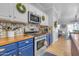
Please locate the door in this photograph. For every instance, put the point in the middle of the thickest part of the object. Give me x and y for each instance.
(40, 44)
(11, 53)
(26, 51)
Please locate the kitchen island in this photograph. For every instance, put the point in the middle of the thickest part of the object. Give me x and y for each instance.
(62, 47)
(75, 38)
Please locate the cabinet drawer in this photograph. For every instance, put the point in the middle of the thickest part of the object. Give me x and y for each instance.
(7, 48)
(11, 53)
(25, 42)
(26, 50)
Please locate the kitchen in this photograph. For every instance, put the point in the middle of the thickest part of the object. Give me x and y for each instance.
(24, 30)
(39, 29)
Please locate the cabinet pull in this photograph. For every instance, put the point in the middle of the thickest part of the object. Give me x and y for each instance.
(19, 52)
(2, 50)
(27, 42)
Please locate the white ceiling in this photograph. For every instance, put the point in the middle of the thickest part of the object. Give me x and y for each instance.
(67, 10)
(43, 6)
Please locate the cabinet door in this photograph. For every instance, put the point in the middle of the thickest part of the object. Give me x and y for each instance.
(25, 42)
(26, 51)
(11, 53)
(48, 39)
(5, 10)
(51, 39)
(18, 16)
(44, 22)
(7, 48)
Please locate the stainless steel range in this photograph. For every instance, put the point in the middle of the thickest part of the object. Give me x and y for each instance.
(40, 45)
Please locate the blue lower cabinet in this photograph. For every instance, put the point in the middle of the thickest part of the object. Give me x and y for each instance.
(25, 42)
(7, 48)
(26, 50)
(49, 38)
(22, 48)
(11, 53)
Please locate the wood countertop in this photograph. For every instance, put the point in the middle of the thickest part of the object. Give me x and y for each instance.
(75, 39)
(75, 32)
(5, 41)
(76, 43)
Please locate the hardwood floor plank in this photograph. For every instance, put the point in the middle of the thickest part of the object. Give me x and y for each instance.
(63, 47)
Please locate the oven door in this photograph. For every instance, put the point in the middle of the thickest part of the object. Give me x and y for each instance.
(40, 46)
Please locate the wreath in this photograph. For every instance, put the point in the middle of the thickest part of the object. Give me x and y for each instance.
(55, 24)
(21, 8)
(43, 18)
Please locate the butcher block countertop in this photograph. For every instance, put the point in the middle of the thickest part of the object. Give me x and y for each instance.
(5, 41)
(76, 43)
(75, 39)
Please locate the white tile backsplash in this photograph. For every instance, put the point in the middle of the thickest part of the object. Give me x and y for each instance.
(31, 26)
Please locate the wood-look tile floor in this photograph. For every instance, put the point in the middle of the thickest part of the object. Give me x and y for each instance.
(62, 47)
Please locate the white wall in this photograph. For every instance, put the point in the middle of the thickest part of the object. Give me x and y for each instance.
(53, 16)
(55, 30)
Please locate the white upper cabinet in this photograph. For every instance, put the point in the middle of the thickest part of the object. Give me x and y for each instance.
(18, 16)
(5, 10)
(44, 22)
(8, 11)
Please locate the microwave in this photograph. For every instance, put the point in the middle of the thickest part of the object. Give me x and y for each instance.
(33, 18)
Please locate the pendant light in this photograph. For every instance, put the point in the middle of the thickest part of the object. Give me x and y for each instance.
(75, 22)
(75, 18)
